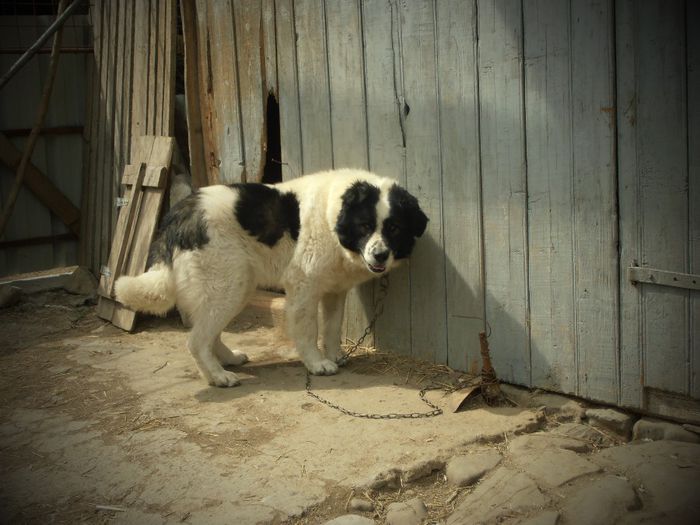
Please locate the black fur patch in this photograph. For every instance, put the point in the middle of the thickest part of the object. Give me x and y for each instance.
(183, 227)
(266, 213)
(405, 222)
(357, 219)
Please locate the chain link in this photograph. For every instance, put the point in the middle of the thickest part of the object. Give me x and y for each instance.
(378, 310)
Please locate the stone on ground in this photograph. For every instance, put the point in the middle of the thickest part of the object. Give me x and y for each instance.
(554, 467)
(502, 493)
(9, 295)
(548, 517)
(350, 519)
(361, 505)
(465, 470)
(558, 406)
(667, 472)
(547, 441)
(602, 500)
(611, 419)
(655, 430)
(584, 433)
(411, 512)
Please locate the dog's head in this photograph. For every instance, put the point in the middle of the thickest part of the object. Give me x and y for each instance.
(379, 224)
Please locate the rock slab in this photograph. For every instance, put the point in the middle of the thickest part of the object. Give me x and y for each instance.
(552, 466)
(350, 519)
(655, 430)
(502, 493)
(610, 419)
(411, 512)
(465, 470)
(601, 501)
(548, 517)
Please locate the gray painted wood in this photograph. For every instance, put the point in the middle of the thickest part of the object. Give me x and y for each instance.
(504, 187)
(288, 90)
(314, 94)
(631, 392)
(693, 56)
(382, 58)
(661, 149)
(423, 169)
(595, 216)
(571, 197)
(461, 181)
(348, 124)
(548, 88)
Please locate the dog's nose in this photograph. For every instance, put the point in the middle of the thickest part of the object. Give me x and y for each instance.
(381, 257)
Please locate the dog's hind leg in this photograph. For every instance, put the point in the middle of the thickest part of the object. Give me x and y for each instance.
(226, 356)
(209, 317)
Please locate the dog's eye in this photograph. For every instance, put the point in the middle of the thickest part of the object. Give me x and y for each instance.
(365, 228)
(391, 228)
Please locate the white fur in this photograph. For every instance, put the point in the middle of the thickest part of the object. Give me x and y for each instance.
(213, 284)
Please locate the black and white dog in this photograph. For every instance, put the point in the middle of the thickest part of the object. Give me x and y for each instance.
(316, 236)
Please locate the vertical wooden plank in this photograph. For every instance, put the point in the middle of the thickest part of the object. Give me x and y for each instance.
(348, 123)
(548, 86)
(693, 47)
(595, 213)
(662, 156)
(127, 92)
(269, 47)
(225, 130)
(504, 187)
(119, 99)
(87, 180)
(110, 182)
(249, 49)
(153, 90)
(288, 90)
(423, 165)
(139, 103)
(169, 31)
(384, 91)
(194, 95)
(314, 99)
(631, 344)
(102, 184)
(459, 129)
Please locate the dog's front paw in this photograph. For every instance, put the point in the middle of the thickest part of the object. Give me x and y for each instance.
(336, 355)
(324, 367)
(224, 379)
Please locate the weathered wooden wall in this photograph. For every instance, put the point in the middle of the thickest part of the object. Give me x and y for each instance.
(552, 143)
(58, 154)
(132, 82)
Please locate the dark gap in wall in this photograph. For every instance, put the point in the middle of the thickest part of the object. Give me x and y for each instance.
(273, 154)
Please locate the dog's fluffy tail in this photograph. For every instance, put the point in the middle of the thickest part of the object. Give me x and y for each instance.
(152, 292)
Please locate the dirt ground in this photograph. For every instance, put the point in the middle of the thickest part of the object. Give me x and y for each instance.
(101, 426)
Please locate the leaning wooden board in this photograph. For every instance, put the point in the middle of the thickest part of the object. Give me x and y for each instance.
(145, 181)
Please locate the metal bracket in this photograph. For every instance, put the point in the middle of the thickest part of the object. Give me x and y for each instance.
(687, 281)
(121, 201)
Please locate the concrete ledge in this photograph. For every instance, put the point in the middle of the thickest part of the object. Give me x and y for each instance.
(73, 279)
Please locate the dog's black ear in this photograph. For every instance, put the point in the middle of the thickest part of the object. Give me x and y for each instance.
(401, 200)
(419, 221)
(360, 193)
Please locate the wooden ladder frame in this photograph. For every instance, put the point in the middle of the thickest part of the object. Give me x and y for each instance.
(145, 181)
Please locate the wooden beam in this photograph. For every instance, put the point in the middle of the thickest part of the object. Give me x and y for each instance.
(41, 186)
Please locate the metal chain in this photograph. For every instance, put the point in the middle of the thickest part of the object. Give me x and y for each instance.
(378, 310)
